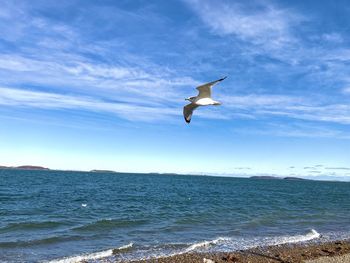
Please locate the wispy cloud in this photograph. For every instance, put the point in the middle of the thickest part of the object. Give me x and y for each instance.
(51, 57)
(83, 74)
(333, 37)
(280, 41)
(57, 55)
(264, 24)
(294, 129)
(289, 106)
(346, 90)
(54, 101)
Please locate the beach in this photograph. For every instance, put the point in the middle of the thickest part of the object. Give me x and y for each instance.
(330, 252)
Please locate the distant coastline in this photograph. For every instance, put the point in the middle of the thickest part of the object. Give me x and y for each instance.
(233, 175)
(25, 167)
(102, 171)
(266, 177)
(38, 168)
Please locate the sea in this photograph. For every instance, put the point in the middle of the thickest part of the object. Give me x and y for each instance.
(64, 216)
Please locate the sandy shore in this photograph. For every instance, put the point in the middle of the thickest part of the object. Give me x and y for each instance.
(332, 252)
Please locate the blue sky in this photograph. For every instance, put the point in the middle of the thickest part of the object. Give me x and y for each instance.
(101, 85)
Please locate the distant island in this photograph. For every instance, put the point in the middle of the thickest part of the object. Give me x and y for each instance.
(24, 167)
(296, 178)
(264, 177)
(277, 178)
(102, 171)
(36, 167)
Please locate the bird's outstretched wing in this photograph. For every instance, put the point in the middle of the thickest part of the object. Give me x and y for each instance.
(188, 111)
(205, 89)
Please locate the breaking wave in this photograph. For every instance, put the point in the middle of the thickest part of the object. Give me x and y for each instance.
(87, 257)
(129, 252)
(93, 256)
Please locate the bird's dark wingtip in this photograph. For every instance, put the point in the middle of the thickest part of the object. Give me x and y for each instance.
(223, 78)
(188, 121)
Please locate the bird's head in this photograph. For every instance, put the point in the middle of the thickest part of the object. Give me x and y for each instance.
(191, 99)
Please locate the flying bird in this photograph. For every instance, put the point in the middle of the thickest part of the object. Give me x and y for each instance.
(202, 99)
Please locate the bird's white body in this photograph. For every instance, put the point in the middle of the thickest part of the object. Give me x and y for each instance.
(202, 99)
(206, 102)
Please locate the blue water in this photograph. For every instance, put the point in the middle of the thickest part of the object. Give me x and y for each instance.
(49, 215)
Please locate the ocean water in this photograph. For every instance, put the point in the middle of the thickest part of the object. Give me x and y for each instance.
(52, 216)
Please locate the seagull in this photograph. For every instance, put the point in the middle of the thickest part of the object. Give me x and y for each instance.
(202, 99)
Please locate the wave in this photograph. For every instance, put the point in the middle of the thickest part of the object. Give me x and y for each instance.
(229, 243)
(30, 225)
(34, 242)
(106, 224)
(128, 246)
(313, 234)
(206, 244)
(221, 244)
(93, 256)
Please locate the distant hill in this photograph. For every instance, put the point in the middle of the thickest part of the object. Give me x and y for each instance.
(31, 167)
(278, 178)
(102, 171)
(264, 177)
(295, 178)
(25, 167)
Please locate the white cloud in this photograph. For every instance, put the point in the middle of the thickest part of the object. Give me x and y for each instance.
(268, 25)
(298, 108)
(346, 90)
(58, 56)
(263, 28)
(292, 129)
(244, 107)
(45, 100)
(78, 74)
(333, 37)
(254, 100)
(328, 113)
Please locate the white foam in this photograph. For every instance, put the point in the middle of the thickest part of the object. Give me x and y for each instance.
(218, 244)
(130, 245)
(229, 244)
(206, 244)
(313, 234)
(84, 205)
(92, 256)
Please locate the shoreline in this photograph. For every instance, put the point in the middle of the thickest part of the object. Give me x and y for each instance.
(338, 251)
